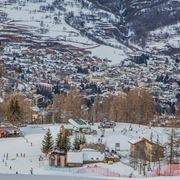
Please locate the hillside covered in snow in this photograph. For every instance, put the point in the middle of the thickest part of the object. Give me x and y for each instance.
(119, 27)
(142, 17)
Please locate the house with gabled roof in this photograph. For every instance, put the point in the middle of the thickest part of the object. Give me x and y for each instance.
(146, 149)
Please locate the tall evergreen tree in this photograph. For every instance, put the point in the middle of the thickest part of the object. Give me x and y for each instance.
(59, 142)
(62, 142)
(47, 143)
(78, 141)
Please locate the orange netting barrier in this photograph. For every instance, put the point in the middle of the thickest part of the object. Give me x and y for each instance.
(98, 170)
(168, 170)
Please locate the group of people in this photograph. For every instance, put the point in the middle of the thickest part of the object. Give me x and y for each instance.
(20, 155)
(27, 141)
(6, 158)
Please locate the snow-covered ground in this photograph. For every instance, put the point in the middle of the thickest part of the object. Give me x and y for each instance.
(26, 177)
(163, 38)
(31, 16)
(35, 134)
(115, 55)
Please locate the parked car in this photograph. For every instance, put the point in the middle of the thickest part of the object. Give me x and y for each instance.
(107, 124)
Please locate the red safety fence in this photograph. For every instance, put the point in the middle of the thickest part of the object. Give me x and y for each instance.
(98, 170)
(168, 170)
(165, 170)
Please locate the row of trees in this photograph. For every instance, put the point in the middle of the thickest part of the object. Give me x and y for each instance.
(136, 106)
(62, 142)
(15, 109)
(70, 105)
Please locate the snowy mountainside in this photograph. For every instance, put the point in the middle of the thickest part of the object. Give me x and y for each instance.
(111, 29)
(142, 17)
(48, 20)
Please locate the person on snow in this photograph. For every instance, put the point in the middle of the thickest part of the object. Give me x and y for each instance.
(31, 171)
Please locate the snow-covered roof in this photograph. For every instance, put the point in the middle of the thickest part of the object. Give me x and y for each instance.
(142, 139)
(134, 141)
(78, 125)
(35, 109)
(1, 100)
(75, 157)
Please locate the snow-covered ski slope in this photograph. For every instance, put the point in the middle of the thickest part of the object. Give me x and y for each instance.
(34, 134)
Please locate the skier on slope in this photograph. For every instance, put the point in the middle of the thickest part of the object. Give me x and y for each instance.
(31, 171)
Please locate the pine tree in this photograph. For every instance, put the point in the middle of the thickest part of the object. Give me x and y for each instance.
(47, 143)
(76, 143)
(66, 143)
(62, 142)
(82, 139)
(79, 140)
(59, 142)
(14, 111)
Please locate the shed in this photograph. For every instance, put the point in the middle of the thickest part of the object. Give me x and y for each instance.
(92, 155)
(74, 159)
(57, 158)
